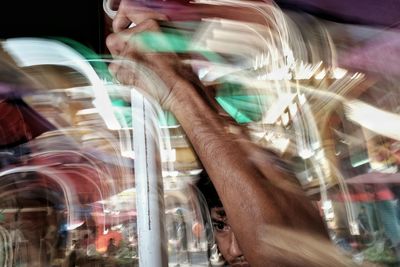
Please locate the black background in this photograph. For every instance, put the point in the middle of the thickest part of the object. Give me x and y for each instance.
(80, 20)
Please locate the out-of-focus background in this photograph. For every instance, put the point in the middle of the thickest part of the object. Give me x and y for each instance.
(319, 87)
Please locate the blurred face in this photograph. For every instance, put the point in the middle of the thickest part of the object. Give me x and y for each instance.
(225, 238)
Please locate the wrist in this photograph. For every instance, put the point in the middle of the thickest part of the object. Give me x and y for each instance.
(181, 97)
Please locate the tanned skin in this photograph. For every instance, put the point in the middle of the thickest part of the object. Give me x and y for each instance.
(253, 202)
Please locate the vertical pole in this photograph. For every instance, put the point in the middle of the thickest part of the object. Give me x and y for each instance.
(149, 185)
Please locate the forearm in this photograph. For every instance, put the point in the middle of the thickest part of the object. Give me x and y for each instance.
(251, 202)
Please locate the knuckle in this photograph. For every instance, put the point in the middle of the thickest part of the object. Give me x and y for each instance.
(115, 22)
(111, 41)
(151, 24)
(163, 17)
(113, 68)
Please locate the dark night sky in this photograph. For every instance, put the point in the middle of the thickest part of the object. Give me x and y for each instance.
(80, 20)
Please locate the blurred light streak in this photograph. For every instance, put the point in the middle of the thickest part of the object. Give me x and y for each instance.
(377, 120)
(6, 248)
(320, 75)
(339, 73)
(70, 198)
(50, 156)
(304, 71)
(36, 51)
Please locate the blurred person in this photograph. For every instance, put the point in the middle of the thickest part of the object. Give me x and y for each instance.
(50, 240)
(74, 254)
(224, 237)
(197, 229)
(182, 238)
(363, 220)
(112, 248)
(230, 249)
(264, 217)
(17, 238)
(88, 243)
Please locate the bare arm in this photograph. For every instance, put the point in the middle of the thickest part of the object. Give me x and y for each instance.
(252, 202)
(247, 185)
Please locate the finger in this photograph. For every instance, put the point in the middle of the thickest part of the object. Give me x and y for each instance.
(113, 68)
(116, 42)
(129, 13)
(126, 41)
(121, 22)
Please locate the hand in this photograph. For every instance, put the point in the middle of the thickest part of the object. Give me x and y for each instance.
(138, 64)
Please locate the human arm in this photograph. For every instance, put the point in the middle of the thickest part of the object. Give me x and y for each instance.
(252, 199)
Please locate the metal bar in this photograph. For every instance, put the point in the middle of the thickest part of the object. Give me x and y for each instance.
(149, 186)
